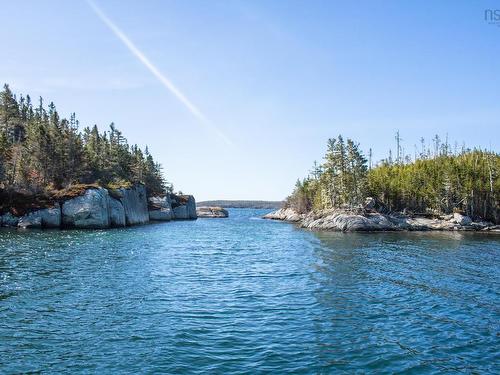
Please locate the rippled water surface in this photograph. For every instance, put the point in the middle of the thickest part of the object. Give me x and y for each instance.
(244, 295)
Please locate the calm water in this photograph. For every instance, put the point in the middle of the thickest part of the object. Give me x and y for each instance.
(244, 295)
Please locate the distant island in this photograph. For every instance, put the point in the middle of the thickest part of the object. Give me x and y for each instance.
(439, 187)
(243, 204)
(54, 175)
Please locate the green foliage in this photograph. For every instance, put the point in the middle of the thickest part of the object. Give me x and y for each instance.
(467, 182)
(437, 181)
(40, 150)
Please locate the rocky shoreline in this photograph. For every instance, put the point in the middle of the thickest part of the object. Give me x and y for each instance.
(213, 212)
(99, 208)
(365, 221)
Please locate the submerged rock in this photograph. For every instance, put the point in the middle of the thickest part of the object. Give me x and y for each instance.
(212, 212)
(89, 210)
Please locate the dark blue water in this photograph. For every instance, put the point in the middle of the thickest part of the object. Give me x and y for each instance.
(243, 295)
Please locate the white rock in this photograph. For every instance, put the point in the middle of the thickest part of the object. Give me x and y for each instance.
(461, 219)
(286, 214)
(89, 210)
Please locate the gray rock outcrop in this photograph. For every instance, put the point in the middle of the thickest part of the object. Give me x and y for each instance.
(359, 220)
(135, 204)
(160, 208)
(9, 220)
(89, 210)
(116, 213)
(31, 220)
(285, 214)
(100, 208)
(184, 207)
(211, 212)
(51, 217)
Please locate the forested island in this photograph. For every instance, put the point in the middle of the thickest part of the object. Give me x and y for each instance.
(52, 174)
(439, 187)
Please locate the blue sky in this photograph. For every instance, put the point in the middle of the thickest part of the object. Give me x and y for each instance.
(276, 78)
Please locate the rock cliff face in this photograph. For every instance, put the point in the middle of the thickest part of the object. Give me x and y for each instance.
(184, 207)
(160, 208)
(116, 213)
(89, 210)
(212, 212)
(135, 204)
(352, 221)
(98, 208)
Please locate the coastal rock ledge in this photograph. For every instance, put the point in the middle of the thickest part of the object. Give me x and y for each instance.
(98, 208)
(212, 212)
(363, 220)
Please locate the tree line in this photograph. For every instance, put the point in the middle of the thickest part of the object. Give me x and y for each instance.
(438, 179)
(40, 151)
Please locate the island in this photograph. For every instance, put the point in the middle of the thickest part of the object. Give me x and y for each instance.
(439, 188)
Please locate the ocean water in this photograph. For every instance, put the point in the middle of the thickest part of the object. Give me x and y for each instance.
(246, 295)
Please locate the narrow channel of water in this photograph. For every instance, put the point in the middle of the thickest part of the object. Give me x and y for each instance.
(245, 295)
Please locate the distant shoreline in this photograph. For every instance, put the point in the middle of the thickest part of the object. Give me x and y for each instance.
(243, 204)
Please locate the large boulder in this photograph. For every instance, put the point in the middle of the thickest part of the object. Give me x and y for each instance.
(212, 212)
(135, 204)
(160, 208)
(89, 210)
(9, 220)
(116, 213)
(30, 220)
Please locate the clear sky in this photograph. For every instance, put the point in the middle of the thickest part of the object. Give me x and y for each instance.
(237, 98)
